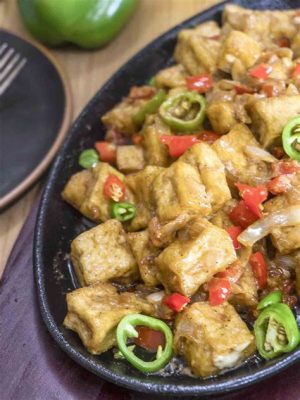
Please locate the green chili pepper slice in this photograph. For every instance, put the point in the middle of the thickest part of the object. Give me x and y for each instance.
(291, 138)
(123, 211)
(126, 329)
(184, 112)
(272, 298)
(88, 158)
(149, 108)
(276, 331)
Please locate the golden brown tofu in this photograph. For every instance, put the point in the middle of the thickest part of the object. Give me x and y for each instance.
(244, 291)
(221, 218)
(156, 153)
(130, 159)
(140, 184)
(95, 311)
(179, 190)
(221, 115)
(239, 165)
(197, 50)
(295, 46)
(212, 173)
(102, 254)
(285, 239)
(254, 23)
(269, 116)
(189, 261)
(171, 77)
(120, 117)
(84, 191)
(238, 45)
(212, 338)
(144, 253)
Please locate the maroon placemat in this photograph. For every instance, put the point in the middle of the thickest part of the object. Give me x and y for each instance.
(34, 368)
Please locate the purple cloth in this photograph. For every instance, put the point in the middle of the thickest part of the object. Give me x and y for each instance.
(34, 368)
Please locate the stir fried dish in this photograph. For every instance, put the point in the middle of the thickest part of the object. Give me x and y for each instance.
(195, 196)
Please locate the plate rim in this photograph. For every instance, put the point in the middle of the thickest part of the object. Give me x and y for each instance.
(41, 167)
(203, 387)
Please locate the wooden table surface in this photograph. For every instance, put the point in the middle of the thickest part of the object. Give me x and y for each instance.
(87, 71)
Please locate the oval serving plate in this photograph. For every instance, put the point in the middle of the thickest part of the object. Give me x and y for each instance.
(58, 224)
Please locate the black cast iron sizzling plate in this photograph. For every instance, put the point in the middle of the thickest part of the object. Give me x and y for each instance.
(58, 224)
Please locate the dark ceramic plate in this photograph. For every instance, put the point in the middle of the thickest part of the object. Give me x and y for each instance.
(34, 118)
(58, 224)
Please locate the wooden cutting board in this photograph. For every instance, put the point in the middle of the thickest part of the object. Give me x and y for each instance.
(34, 368)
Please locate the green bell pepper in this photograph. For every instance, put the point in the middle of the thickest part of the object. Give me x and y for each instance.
(184, 112)
(126, 329)
(276, 331)
(291, 138)
(88, 158)
(86, 23)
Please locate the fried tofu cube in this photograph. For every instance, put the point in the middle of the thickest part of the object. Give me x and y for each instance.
(156, 153)
(95, 311)
(285, 239)
(270, 115)
(295, 46)
(211, 171)
(102, 254)
(239, 165)
(130, 158)
(171, 77)
(189, 261)
(140, 184)
(221, 115)
(84, 191)
(238, 45)
(179, 190)
(144, 253)
(244, 291)
(212, 338)
(196, 49)
(119, 118)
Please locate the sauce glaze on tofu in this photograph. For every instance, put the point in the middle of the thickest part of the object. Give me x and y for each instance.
(195, 197)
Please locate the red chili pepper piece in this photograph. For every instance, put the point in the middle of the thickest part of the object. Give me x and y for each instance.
(114, 188)
(219, 291)
(242, 89)
(200, 83)
(242, 215)
(296, 71)
(149, 338)
(208, 136)
(280, 184)
(259, 268)
(270, 90)
(234, 232)
(261, 71)
(253, 197)
(107, 151)
(176, 301)
(178, 144)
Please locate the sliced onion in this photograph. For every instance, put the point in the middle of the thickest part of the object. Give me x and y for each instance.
(156, 297)
(279, 219)
(286, 261)
(260, 154)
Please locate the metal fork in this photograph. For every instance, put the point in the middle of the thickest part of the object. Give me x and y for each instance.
(11, 64)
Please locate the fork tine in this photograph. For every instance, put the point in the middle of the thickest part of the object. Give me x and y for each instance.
(9, 67)
(3, 47)
(12, 75)
(5, 57)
